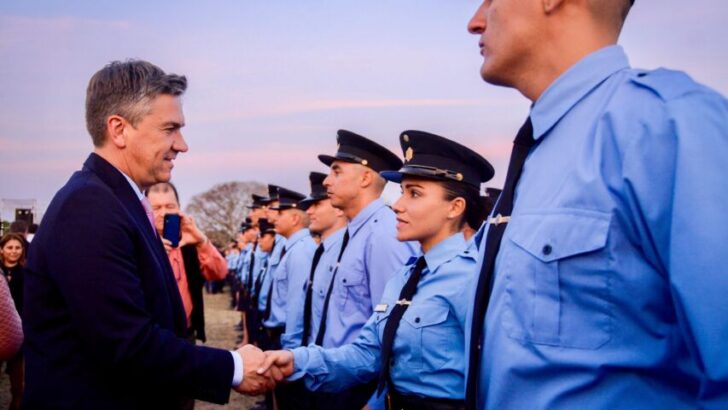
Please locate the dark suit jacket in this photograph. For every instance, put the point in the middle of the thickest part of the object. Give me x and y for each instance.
(103, 316)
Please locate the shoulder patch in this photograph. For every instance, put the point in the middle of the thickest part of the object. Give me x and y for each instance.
(667, 84)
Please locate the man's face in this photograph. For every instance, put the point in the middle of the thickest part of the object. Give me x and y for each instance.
(272, 214)
(284, 223)
(322, 216)
(266, 242)
(343, 183)
(162, 203)
(509, 34)
(251, 234)
(153, 144)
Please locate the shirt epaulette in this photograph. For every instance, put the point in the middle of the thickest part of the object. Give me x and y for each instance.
(667, 84)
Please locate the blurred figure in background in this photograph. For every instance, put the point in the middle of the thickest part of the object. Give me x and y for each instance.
(193, 262)
(12, 262)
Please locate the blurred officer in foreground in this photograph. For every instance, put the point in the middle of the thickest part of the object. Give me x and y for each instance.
(603, 279)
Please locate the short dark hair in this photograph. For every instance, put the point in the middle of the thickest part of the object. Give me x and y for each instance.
(126, 89)
(163, 187)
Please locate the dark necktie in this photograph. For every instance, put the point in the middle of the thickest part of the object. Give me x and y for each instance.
(325, 312)
(521, 147)
(266, 315)
(309, 296)
(249, 283)
(395, 316)
(259, 283)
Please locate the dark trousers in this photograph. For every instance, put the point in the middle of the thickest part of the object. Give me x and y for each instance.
(294, 396)
(396, 401)
(350, 399)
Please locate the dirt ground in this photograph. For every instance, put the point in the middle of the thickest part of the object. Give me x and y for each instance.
(219, 322)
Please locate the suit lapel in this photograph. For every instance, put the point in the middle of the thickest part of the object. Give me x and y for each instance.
(113, 178)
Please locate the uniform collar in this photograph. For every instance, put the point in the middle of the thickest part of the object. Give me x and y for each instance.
(363, 216)
(445, 251)
(334, 238)
(297, 237)
(573, 85)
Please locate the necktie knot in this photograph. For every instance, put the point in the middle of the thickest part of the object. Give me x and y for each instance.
(525, 134)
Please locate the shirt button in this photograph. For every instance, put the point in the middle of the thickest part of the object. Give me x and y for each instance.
(417, 320)
(547, 250)
(344, 280)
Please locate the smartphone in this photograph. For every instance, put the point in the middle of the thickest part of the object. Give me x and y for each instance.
(171, 230)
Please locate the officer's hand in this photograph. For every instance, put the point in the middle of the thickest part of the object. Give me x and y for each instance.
(254, 382)
(280, 359)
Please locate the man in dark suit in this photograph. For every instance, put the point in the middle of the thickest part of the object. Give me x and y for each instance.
(104, 323)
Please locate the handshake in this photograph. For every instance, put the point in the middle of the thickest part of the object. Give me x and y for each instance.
(263, 370)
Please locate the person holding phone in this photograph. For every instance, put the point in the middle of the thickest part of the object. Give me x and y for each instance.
(193, 257)
(413, 343)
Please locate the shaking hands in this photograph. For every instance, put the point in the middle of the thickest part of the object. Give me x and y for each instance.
(263, 370)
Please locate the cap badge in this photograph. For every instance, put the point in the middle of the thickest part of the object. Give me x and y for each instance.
(364, 162)
(409, 154)
(405, 137)
(459, 176)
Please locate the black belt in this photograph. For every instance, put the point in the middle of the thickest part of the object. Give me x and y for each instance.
(396, 401)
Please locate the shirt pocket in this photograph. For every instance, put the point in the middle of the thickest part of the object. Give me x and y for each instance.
(427, 335)
(556, 268)
(353, 290)
(281, 282)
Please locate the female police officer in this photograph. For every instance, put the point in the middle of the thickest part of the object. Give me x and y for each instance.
(414, 341)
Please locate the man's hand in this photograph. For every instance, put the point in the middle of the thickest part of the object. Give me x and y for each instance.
(254, 382)
(282, 360)
(191, 234)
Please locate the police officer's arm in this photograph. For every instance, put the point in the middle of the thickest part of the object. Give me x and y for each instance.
(678, 189)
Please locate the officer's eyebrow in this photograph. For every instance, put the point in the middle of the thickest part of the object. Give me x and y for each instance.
(410, 185)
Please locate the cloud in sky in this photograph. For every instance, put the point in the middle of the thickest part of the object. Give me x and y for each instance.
(271, 82)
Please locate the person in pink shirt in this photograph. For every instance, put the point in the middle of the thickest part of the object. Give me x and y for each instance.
(11, 330)
(193, 261)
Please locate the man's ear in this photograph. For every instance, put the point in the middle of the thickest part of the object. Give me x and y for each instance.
(116, 127)
(366, 178)
(551, 5)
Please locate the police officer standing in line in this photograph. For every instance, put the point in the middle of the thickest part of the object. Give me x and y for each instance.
(258, 210)
(266, 244)
(250, 236)
(372, 254)
(330, 224)
(287, 296)
(413, 344)
(604, 274)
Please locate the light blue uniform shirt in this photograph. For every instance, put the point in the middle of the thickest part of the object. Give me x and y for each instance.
(273, 260)
(611, 279)
(285, 272)
(428, 350)
(291, 277)
(322, 279)
(371, 258)
(242, 262)
(258, 262)
(232, 260)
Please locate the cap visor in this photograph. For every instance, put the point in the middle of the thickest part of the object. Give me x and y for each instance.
(327, 159)
(393, 176)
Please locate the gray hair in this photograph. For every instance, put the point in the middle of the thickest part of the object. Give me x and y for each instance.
(126, 89)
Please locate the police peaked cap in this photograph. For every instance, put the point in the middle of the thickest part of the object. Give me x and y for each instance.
(287, 199)
(434, 157)
(360, 150)
(318, 190)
